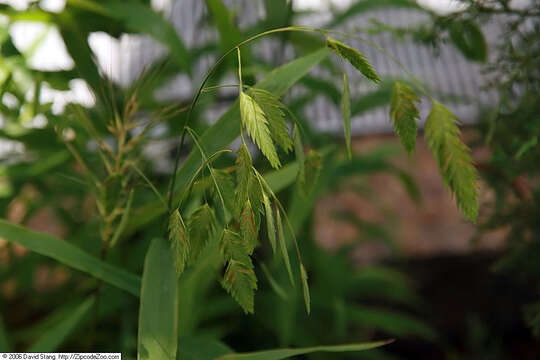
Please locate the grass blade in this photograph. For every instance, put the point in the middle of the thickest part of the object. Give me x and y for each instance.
(287, 353)
(346, 114)
(70, 255)
(283, 246)
(54, 337)
(158, 312)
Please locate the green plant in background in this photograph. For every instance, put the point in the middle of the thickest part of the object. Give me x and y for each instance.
(215, 203)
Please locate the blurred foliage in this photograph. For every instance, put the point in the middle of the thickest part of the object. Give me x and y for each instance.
(79, 171)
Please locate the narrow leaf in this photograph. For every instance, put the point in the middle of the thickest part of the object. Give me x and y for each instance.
(270, 225)
(158, 311)
(179, 240)
(346, 114)
(54, 337)
(305, 288)
(283, 246)
(453, 157)
(313, 168)
(404, 114)
(142, 19)
(359, 7)
(256, 124)
(229, 33)
(279, 354)
(355, 57)
(469, 39)
(69, 255)
(300, 157)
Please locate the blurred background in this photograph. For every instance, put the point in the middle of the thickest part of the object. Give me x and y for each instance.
(388, 253)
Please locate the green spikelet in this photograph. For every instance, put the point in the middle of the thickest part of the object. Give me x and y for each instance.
(201, 225)
(404, 114)
(244, 174)
(274, 111)
(270, 224)
(179, 239)
(305, 288)
(283, 246)
(355, 57)
(255, 121)
(455, 164)
(248, 227)
(239, 279)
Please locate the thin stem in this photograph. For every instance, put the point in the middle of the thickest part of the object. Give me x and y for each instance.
(240, 87)
(212, 88)
(141, 174)
(205, 158)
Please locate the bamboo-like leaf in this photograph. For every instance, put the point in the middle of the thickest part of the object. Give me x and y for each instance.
(355, 57)
(158, 311)
(228, 31)
(313, 166)
(201, 348)
(179, 240)
(142, 19)
(256, 124)
(453, 157)
(469, 39)
(248, 227)
(391, 322)
(346, 113)
(70, 255)
(270, 224)
(360, 7)
(404, 114)
(278, 354)
(54, 337)
(274, 112)
(283, 246)
(202, 226)
(239, 278)
(300, 157)
(305, 288)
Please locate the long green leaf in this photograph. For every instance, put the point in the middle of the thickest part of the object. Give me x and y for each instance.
(228, 31)
(469, 39)
(227, 128)
(361, 6)
(70, 255)
(287, 353)
(140, 18)
(158, 312)
(346, 113)
(77, 46)
(54, 337)
(199, 348)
